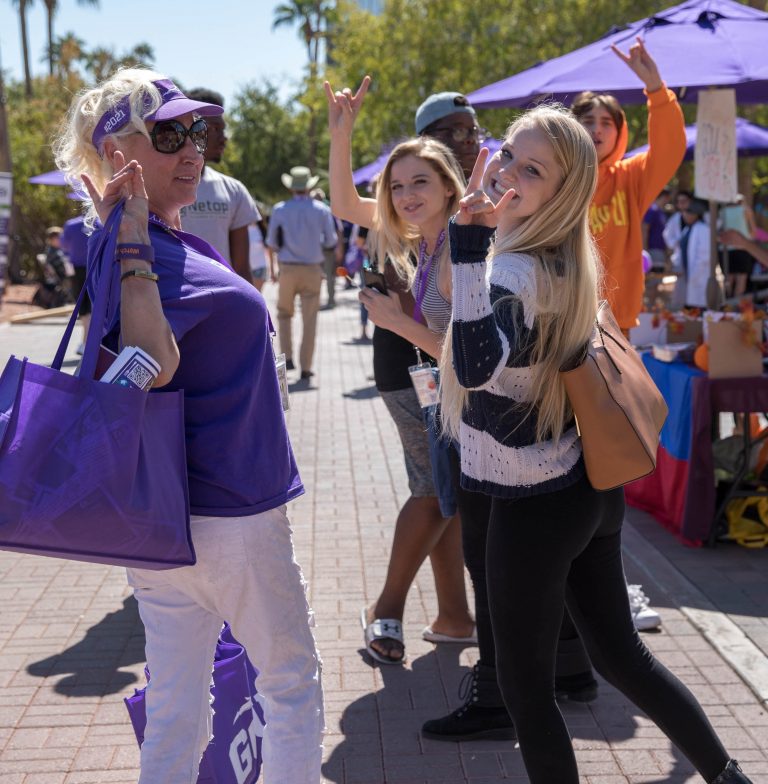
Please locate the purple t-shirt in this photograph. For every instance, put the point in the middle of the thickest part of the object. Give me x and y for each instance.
(239, 457)
(656, 221)
(74, 241)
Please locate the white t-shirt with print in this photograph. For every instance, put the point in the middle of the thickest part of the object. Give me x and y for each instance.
(257, 254)
(222, 205)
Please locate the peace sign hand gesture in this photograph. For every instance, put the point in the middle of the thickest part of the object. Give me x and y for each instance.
(476, 206)
(343, 106)
(642, 64)
(127, 184)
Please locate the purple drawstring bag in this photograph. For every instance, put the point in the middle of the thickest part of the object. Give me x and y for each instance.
(92, 471)
(234, 754)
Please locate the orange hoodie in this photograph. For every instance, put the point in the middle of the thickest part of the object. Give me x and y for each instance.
(625, 190)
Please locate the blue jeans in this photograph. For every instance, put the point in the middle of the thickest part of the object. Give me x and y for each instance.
(439, 455)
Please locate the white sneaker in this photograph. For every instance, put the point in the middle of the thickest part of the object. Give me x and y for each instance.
(80, 350)
(643, 615)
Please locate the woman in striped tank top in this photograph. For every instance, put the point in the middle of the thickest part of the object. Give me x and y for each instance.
(416, 193)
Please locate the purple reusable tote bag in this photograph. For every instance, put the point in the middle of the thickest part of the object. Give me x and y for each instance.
(234, 754)
(91, 471)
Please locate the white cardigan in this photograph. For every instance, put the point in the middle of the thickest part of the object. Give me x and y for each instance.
(698, 265)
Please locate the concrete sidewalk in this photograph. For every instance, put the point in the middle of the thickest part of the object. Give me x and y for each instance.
(71, 643)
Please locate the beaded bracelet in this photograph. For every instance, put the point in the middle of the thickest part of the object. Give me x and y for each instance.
(140, 273)
(134, 251)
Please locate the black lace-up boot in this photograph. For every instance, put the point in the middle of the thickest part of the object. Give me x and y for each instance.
(483, 715)
(581, 687)
(732, 775)
(574, 681)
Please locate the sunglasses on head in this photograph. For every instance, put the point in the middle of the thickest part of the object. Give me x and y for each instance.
(169, 136)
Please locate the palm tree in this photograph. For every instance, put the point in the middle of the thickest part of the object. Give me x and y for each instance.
(22, 6)
(51, 6)
(66, 51)
(313, 17)
(102, 61)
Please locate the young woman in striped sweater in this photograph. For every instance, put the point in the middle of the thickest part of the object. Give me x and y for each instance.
(523, 309)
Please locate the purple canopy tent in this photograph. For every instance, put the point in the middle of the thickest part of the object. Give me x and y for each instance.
(697, 44)
(57, 178)
(54, 177)
(365, 174)
(751, 140)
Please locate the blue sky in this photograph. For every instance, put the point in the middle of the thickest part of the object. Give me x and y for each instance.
(222, 45)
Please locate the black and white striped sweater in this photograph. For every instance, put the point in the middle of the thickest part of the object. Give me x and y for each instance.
(500, 455)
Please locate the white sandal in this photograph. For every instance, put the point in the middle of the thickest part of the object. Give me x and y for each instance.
(382, 629)
(436, 637)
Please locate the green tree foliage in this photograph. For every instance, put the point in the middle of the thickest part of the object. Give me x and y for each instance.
(417, 47)
(414, 48)
(102, 61)
(32, 123)
(267, 137)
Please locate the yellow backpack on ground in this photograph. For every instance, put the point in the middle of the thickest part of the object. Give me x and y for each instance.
(748, 521)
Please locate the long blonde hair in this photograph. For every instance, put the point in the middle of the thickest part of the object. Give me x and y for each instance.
(567, 269)
(73, 148)
(396, 239)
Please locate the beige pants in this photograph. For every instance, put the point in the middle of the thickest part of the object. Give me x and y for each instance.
(306, 280)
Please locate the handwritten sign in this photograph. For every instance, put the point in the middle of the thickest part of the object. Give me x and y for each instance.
(715, 151)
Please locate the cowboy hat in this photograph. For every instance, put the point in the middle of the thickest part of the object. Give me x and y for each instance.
(300, 179)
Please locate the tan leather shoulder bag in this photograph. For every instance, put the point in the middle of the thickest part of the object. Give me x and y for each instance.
(619, 410)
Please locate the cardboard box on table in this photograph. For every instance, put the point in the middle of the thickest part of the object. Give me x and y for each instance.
(687, 330)
(732, 354)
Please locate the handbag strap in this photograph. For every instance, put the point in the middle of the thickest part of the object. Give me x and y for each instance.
(58, 359)
(100, 261)
(605, 326)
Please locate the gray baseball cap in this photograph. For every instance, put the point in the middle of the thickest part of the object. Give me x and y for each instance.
(440, 105)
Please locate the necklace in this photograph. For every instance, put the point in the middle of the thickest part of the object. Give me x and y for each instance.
(158, 221)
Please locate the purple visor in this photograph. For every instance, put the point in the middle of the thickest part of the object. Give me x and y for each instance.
(174, 104)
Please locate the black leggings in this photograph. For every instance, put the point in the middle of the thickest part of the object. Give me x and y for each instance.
(475, 512)
(566, 547)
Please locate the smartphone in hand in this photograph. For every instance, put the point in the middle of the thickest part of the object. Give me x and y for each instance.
(375, 280)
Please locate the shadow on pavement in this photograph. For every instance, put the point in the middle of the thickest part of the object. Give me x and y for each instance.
(92, 665)
(382, 741)
(302, 385)
(363, 393)
(730, 577)
(356, 342)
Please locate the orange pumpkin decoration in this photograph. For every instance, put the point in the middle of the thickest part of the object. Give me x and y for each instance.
(701, 357)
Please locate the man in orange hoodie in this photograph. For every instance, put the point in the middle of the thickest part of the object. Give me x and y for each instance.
(626, 188)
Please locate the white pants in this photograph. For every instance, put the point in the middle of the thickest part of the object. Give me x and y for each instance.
(246, 573)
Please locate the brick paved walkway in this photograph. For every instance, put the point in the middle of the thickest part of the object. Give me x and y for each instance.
(71, 644)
